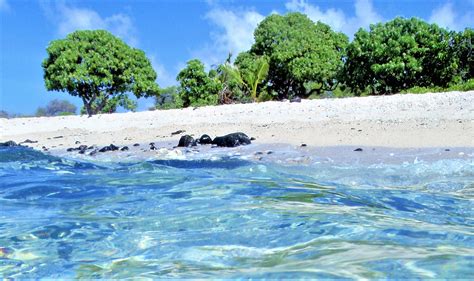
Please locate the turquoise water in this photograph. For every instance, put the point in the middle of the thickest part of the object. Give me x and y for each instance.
(232, 218)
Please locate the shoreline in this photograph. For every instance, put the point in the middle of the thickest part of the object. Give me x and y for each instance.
(443, 120)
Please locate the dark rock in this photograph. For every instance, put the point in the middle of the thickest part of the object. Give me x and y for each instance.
(81, 148)
(295, 99)
(29, 141)
(93, 152)
(178, 132)
(125, 148)
(110, 147)
(252, 139)
(77, 142)
(447, 149)
(58, 137)
(358, 149)
(8, 143)
(258, 153)
(44, 148)
(186, 141)
(269, 152)
(136, 144)
(152, 146)
(90, 147)
(232, 140)
(304, 145)
(205, 139)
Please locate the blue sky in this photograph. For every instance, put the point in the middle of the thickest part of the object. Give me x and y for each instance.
(173, 32)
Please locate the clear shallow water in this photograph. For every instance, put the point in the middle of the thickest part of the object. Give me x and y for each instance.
(231, 218)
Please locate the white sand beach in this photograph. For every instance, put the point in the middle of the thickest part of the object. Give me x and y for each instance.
(399, 121)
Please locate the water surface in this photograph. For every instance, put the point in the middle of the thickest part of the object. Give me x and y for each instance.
(232, 218)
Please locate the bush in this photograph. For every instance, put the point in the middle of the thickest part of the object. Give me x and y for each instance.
(465, 86)
(168, 98)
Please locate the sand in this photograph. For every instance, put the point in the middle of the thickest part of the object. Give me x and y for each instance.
(398, 121)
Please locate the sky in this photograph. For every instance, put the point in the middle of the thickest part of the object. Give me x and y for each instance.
(173, 32)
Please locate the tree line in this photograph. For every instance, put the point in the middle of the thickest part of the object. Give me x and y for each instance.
(291, 56)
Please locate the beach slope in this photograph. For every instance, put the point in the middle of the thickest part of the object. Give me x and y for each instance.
(405, 120)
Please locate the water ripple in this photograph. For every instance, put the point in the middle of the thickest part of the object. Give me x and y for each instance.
(231, 219)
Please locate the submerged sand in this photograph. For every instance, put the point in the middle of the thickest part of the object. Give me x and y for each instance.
(398, 121)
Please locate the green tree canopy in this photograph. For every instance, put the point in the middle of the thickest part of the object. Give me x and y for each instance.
(464, 48)
(398, 55)
(99, 68)
(198, 88)
(300, 53)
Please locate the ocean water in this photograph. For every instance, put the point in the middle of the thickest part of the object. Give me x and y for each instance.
(231, 218)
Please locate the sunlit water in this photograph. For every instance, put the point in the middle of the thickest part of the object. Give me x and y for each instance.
(231, 218)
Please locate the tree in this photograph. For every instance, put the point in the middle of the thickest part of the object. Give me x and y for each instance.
(300, 52)
(233, 86)
(168, 98)
(254, 71)
(57, 107)
(198, 88)
(398, 55)
(97, 67)
(463, 44)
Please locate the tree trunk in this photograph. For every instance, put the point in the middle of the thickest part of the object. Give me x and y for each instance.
(87, 105)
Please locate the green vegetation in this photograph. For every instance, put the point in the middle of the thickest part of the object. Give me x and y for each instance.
(304, 57)
(291, 56)
(233, 85)
(100, 69)
(57, 108)
(254, 71)
(466, 86)
(401, 54)
(198, 88)
(167, 98)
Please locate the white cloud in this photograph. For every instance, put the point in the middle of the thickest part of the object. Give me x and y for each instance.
(164, 78)
(69, 19)
(235, 28)
(4, 6)
(365, 15)
(233, 33)
(446, 16)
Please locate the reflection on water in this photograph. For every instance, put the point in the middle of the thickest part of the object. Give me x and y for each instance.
(231, 218)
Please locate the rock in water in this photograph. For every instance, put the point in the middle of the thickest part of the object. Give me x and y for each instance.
(8, 143)
(232, 140)
(110, 147)
(186, 141)
(82, 149)
(205, 139)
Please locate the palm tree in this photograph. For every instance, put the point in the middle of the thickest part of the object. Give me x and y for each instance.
(256, 77)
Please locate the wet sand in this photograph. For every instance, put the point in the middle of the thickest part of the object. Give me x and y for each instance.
(438, 121)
